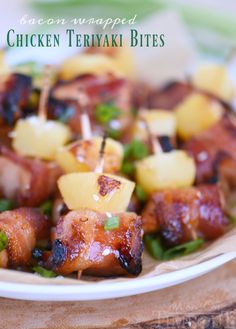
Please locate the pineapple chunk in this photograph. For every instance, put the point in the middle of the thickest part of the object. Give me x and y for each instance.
(97, 64)
(101, 192)
(36, 137)
(83, 156)
(214, 79)
(195, 114)
(160, 123)
(165, 170)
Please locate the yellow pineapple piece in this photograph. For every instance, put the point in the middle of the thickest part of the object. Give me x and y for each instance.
(83, 156)
(36, 137)
(214, 79)
(101, 192)
(195, 114)
(165, 170)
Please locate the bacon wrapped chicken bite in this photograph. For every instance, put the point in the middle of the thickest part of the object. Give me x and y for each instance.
(181, 215)
(97, 243)
(212, 146)
(28, 182)
(22, 227)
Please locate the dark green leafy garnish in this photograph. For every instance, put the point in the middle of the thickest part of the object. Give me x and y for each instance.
(104, 113)
(113, 133)
(156, 249)
(3, 241)
(136, 150)
(5, 204)
(111, 223)
(43, 272)
(46, 207)
(127, 168)
(141, 194)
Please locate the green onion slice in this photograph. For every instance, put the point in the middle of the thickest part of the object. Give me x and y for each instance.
(43, 272)
(111, 223)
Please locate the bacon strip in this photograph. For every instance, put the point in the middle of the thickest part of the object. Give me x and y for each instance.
(82, 244)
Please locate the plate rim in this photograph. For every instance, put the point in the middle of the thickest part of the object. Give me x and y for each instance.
(109, 290)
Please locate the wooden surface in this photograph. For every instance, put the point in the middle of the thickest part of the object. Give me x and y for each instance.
(208, 302)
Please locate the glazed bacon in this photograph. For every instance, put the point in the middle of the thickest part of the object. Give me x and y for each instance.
(28, 182)
(170, 95)
(82, 244)
(14, 96)
(211, 147)
(183, 214)
(23, 227)
(99, 89)
(173, 93)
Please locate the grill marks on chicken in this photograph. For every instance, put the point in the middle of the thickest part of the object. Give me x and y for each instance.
(177, 213)
(23, 227)
(211, 147)
(82, 244)
(27, 181)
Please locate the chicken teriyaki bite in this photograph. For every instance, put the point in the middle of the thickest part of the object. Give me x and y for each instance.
(97, 243)
(182, 215)
(26, 181)
(20, 229)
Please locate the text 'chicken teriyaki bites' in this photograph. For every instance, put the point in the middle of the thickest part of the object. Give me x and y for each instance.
(93, 163)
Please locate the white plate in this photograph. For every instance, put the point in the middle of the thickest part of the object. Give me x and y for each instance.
(107, 290)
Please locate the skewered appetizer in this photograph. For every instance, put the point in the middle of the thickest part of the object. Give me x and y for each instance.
(32, 134)
(83, 154)
(97, 236)
(179, 148)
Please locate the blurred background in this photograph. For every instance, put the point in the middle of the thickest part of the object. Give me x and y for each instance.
(193, 29)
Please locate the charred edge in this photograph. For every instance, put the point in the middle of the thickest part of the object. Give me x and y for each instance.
(107, 184)
(131, 265)
(59, 253)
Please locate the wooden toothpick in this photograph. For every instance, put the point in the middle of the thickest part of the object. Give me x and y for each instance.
(100, 164)
(43, 100)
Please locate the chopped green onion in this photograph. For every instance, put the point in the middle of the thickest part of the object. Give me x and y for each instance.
(114, 133)
(3, 241)
(136, 150)
(46, 208)
(43, 272)
(5, 204)
(141, 194)
(155, 248)
(111, 223)
(127, 168)
(183, 249)
(104, 113)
